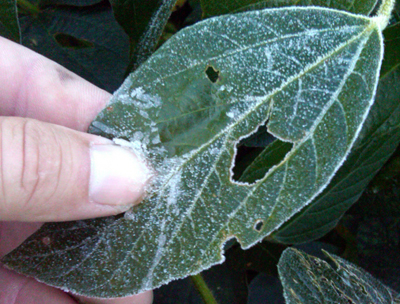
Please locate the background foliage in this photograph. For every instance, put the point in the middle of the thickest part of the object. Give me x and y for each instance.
(356, 217)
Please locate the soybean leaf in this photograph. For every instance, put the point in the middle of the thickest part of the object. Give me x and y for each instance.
(311, 73)
(70, 2)
(144, 22)
(9, 25)
(220, 7)
(87, 41)
(377, 141)
(374, 222)
(307, 279)
(265, 289)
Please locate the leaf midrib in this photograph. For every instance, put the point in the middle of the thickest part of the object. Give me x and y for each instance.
(305, 71)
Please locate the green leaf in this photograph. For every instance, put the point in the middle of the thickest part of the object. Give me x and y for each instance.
(377, 141)
(70, 2)
(218, 7)
(307, 279)
(391, 63)
(144, 22)
(227, 284)
(271, 156)
(9, 25)
(88, 41)
(265, 289)
(310, 72)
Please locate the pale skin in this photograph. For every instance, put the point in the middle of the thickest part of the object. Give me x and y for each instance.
(45, 163)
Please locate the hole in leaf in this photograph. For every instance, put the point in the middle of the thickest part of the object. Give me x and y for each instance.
(69, 41)
(258, 225)
(212, 74)
(257, 154)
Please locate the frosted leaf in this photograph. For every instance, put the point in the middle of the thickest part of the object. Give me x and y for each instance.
(309, 73)
(307, 279)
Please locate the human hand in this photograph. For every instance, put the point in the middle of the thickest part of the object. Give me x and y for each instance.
(49, 169)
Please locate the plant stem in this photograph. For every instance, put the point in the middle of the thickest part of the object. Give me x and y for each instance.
(29, 7)
(203, 289)
(385, 12)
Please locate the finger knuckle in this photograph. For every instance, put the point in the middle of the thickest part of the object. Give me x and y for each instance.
(35, 159)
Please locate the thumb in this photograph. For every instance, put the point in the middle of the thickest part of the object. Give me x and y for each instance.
(52, 173)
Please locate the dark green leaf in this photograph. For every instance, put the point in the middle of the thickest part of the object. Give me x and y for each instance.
(262, 257)
(86, 41)
(9, 25)
(221, 7)
(377, 247)
(271, 156)
(378, 140)
(307, 279)
(144, 22)
(391, 62)
(227, 285)
(70, 2)
(321, 67)
(374, 222)
(265, 289)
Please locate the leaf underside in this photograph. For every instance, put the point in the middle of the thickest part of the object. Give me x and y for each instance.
(307, 279)
(310, 73)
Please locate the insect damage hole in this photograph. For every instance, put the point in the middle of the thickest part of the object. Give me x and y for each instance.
(212, 74)
(256, 154)
(258, 225)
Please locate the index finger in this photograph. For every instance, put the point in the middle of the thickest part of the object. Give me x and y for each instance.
(36, 87)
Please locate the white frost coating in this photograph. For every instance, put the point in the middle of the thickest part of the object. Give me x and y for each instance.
(238, 115)
(148, 281)
(144, 100)
(194, 206)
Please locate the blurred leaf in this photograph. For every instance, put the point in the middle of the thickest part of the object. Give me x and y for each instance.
(265, 289)
(66, 40)
(261, 138)
(375, 223)
(321, 70)
(179, 291)
(70, 2)
(262, 257)
(378, 140)
(396, 12)
(307, 279)
(9, 25)
(227, 285)
(221, 7)
(378, 240)
(391, 62)
(86, 41)
(144, 22)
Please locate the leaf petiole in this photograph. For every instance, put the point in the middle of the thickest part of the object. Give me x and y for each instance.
(384, 13)
(203, 289)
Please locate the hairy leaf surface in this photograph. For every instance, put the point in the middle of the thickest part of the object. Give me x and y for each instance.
(377, 141)
(310, 73)
(9, 25)
(307, 279)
